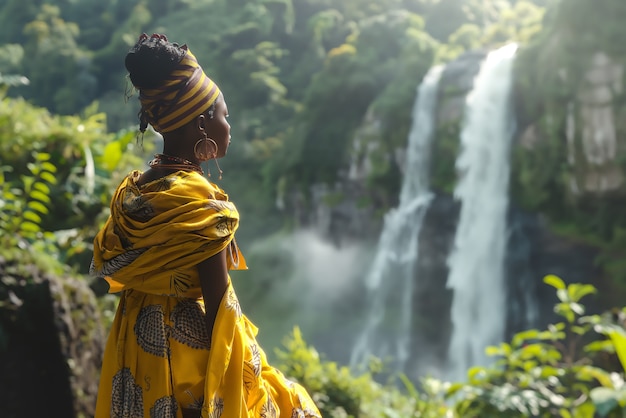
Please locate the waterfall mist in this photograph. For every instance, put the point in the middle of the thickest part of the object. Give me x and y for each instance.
(304, 279)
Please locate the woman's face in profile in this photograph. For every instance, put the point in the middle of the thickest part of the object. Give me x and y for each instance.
(218, 127)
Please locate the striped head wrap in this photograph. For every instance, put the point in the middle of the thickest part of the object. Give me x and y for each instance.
(184, 94)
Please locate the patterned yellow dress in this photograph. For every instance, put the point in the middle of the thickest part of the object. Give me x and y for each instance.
(157, 359)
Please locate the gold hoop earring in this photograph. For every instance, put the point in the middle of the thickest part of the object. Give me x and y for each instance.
(205, 149)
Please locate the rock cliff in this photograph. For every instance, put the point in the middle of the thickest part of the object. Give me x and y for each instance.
(51, 343)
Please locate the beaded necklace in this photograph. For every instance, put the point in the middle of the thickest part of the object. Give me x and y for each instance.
(174, 163)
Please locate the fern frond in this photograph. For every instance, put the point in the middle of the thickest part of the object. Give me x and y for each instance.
(36, 195)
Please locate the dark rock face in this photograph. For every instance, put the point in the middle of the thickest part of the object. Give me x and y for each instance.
(51, 343)
(457, 80)
(431, 300)
(535, 251)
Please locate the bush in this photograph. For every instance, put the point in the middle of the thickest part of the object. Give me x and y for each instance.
(339, 393)
(567, 370)
(573, 369)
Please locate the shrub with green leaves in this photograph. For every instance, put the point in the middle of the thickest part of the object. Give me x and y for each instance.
(339, 393)
(561, 371)
(572, 369)
(57, 175)
(23, 205)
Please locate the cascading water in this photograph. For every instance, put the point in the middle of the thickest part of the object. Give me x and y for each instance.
(476, 263)
(390, 280)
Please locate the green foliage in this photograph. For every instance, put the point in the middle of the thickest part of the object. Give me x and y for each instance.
(14, 14)
(10, 57)
(445, 149)
(22, 207)
(560, 371)
(299, 76)
(499, 23)
(573, 368)
(58, 69)
(612, 257)
(610, 397)
(541, 172)
(339, 393)
(57, 177)
(378, 61)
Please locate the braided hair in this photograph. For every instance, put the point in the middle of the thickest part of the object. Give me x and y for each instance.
(149, 63)
(151, 59)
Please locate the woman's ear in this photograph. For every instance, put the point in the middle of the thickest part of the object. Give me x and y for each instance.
(200, 120)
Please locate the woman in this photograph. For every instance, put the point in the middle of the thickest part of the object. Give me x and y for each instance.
(179, 345)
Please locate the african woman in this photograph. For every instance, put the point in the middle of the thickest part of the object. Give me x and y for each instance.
(179, 345)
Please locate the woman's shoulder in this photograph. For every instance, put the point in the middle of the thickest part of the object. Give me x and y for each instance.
(192, 184)
(180, 183)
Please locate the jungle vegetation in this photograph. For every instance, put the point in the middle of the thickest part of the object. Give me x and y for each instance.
(300, 76)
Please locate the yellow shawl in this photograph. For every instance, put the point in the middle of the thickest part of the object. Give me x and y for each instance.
(156, 236)
(157, 359)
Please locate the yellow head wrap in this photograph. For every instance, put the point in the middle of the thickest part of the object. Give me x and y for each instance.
(183, 95)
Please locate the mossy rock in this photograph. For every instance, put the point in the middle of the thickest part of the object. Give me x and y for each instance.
(51, 342)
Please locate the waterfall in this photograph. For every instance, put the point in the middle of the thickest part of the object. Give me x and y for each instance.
(387, 331)
(476, 262)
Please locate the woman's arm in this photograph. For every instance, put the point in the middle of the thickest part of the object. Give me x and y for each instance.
(214, 281)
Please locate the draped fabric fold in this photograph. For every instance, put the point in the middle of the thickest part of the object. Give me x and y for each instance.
(158, 359)
(155, 237)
